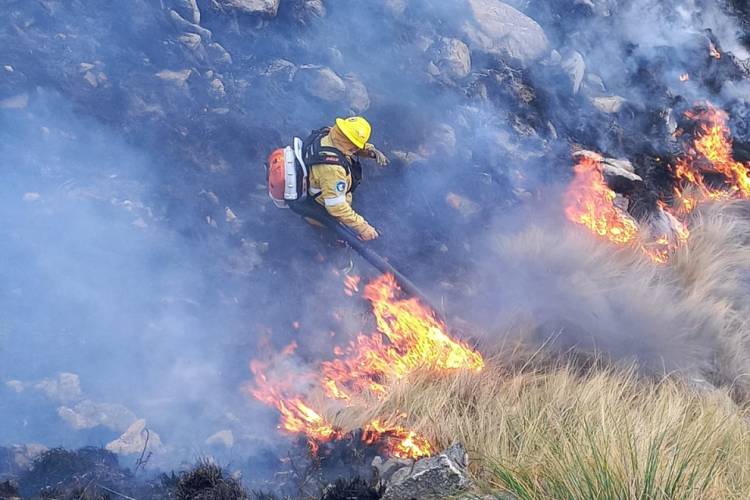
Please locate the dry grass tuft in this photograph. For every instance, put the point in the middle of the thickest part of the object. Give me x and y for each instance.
(603, 433)
(611, 392)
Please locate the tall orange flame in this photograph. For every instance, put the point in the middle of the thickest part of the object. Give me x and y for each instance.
(588, 201)
(711, 152)
(409, 336)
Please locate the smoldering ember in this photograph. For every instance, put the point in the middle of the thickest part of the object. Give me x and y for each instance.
(539, 288)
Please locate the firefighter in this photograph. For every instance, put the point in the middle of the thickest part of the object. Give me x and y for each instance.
(332, 157)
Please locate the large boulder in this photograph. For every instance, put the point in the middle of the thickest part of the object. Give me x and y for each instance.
(499, 29)
(263, 7)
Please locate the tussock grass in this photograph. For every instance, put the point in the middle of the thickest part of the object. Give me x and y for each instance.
(630, 381)
(566, 434)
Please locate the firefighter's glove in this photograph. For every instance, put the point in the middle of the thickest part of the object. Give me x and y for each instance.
(378, 155)
(368, 233)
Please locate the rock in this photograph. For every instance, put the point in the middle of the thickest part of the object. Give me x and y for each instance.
(178, 78)
(19, 101)
(219, 54)
(189, 10)
(135, 440)
(321, 82)
(499, 29)
(385, 469)
(442, 476)
(221, 438)
(183, 25)
(217, 89)
(574, 67)
(282, 68)
(190, 40)
(608, 104)
(451, 58)
(264, 7)
(356, 94)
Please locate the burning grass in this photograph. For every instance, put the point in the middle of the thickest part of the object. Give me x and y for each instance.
(568, 433)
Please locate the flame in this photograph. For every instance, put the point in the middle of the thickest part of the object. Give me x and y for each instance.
(406, 443)
(588, 201)
(409, 336)
(712, 152)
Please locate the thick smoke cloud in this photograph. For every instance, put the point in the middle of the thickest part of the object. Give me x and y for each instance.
(143, 257)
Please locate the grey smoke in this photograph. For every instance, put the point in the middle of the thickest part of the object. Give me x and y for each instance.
(141, 253)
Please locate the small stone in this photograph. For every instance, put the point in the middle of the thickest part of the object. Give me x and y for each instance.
(8, 68)
(219, 54)
(609, 104)
(178, 78)
(217, 88)
(190, 40)
(31, 197)
(90, 78)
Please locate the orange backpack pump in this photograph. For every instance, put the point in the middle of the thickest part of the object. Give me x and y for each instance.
(287, 174)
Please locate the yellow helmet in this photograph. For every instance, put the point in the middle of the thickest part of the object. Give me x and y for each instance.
(356, 129)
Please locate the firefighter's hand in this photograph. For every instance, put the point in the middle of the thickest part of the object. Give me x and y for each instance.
(378, 155)
(368, 233)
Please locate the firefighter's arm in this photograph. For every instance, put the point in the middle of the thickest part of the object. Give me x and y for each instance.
(370, 151)
(333, 187)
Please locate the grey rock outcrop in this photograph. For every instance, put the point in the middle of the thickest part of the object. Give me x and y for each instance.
(432, 478)
(499, 29)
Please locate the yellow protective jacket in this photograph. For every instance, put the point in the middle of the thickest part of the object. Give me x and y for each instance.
(330, 185)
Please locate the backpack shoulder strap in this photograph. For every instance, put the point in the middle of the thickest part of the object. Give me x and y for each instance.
(315, 154)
